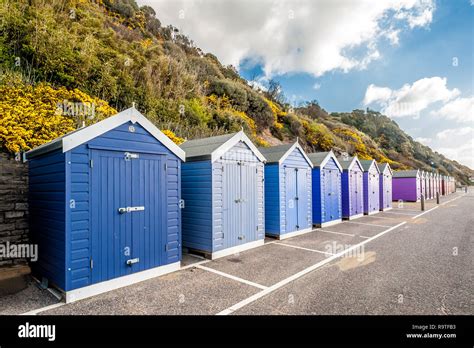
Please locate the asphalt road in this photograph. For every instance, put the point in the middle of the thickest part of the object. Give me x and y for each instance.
(402, 263)
(422, 267)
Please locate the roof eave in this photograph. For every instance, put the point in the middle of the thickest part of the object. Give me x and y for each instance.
(240, 136)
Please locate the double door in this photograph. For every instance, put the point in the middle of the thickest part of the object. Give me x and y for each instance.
(240, 202)
(330, 191)
(128, 206)
(296, 195)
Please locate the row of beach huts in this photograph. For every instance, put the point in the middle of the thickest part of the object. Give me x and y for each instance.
(116, 202)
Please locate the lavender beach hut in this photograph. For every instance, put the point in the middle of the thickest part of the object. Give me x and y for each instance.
(385, 184)
(352, 188)
(371, 187)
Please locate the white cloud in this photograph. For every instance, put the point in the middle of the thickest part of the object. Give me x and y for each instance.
(424, 141)
(450, 134)
(410, 100)
(459, 109)
(457, 144)
(294, 36)
(317, 86)
(463, 154)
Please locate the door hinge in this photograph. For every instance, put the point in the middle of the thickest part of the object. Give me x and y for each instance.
(91, 163)
(92, 263)
(181, 203)
(166, 167)
(167, 247)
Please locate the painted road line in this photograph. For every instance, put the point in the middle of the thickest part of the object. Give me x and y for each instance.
(417, 216)
(363, 223)
(392, 212)
(193, 265)
(403, 209)
(42, 309)
(380, 217)
(364, 237)
(451, 200)
(248, 282)
(303, 248)
(341, 233)
(295, 276)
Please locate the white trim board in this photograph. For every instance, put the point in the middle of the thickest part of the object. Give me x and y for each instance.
(353, 217)
(296, 145)
(238, 137)
(120, 282)
(237, 249)
(329, 223)
(292, 234)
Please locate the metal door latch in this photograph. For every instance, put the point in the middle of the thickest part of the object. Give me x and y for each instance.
(130, 209)
(241, 237)
(132, 261)
(128, 156)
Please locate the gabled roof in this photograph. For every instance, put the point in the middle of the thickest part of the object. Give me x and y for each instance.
(214, 147)
(82, 135)
(406, 173)
(366, 164)
(278, 154)
(385, 166)
(319, 159)
(349, 163)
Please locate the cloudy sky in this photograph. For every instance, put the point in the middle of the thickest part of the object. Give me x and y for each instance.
(410, 59)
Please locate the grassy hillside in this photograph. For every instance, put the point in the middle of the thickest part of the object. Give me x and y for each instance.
(112, 53)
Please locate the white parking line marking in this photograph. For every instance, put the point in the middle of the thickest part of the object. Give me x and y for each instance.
(248, 282)
(282, 283)
(39, 310)
(451, 200)
(392, 212)
(403, 209)
(342, 233)
(380, 217)
(364, 237)
(416, 216)
(194, 264)
(363, 223)
(302, 248)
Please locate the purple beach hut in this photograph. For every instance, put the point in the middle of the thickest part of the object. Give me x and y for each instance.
(406, 185)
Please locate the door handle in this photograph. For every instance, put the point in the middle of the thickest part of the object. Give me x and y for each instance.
(132, 261)
(130, 209)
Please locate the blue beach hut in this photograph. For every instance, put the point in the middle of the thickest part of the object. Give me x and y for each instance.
(223, 192)
(326, 186)
(104, 206)
(288, 197)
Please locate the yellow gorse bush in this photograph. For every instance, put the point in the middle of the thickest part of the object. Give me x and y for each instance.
(34, 115)
(170, 134)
